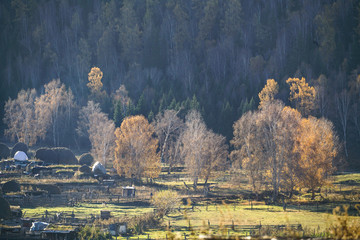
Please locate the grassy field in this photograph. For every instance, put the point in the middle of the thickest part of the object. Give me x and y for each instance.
(86, 210)
(227, 209)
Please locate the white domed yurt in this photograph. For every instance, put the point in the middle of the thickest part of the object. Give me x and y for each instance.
(20, 156)
(98, 168)
(21, 159)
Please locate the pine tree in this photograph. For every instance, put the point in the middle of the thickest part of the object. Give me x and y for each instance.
(118, 117)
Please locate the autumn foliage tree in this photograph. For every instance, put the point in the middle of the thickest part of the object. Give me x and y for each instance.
(95, 75)
(273, 146)
(136, 153)
(267, 94)
(95, 85)
(302, 95)
(316, 147)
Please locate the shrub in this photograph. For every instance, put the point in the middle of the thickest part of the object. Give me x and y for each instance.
(85, 169)
(50, 188)
(47, 155)
(11, 186)
(65, 156)
(93, 232)
(19, 147)
(86, 159)
(4, 151)
(165, 201)
(139, 224)
(5, 211)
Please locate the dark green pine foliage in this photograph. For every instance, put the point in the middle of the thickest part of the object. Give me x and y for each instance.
(151, 116)
(140, 107)
(226, 119)
(118, 114)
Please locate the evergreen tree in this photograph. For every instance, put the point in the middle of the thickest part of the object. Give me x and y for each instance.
(140, 107)
(118, 117)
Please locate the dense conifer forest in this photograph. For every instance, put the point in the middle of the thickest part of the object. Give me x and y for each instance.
(214, 56)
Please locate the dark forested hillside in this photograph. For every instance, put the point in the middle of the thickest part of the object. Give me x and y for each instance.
(219, 53)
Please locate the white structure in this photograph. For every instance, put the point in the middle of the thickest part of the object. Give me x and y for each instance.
(20, 156)
(98, 168)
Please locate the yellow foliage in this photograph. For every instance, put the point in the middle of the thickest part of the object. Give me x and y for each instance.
(166, 201)
(316, 145)
(302, 95)
(95, 76)
(136, 149)
(268, 93)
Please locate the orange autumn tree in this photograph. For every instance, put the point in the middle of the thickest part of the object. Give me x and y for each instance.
(95, 75)
(136, 153)
(302, 95)
(268, 93)
(316, 146)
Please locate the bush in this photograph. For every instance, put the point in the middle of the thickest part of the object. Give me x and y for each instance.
(11, 186)
(50, 188)
(165, 201)
(93, 232)
(86, 159)
(46, 155)
(19, 147)
(5, 211)
(65, 156)
(139, 224)
(85, 169)
(4, 151)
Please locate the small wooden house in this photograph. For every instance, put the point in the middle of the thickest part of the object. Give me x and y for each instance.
(128, 191)
(105, 214)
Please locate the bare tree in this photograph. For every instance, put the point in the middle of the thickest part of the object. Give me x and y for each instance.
(20, 117)
(203, 150)
(193, 145)
(168, 126)
(84, 121)
(247, 151)
(215, 155)
(101, 134)
(50, 107)
(100, 130)
(343, 103)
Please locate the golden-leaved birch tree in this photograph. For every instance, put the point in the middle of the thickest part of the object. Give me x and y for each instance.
(136, 153)
(286, 138)
(302, 95)
(267, 94)
(95, 75)
(316, 146)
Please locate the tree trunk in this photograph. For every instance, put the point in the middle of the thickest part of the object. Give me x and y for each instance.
(195, 183)
(313, 194)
